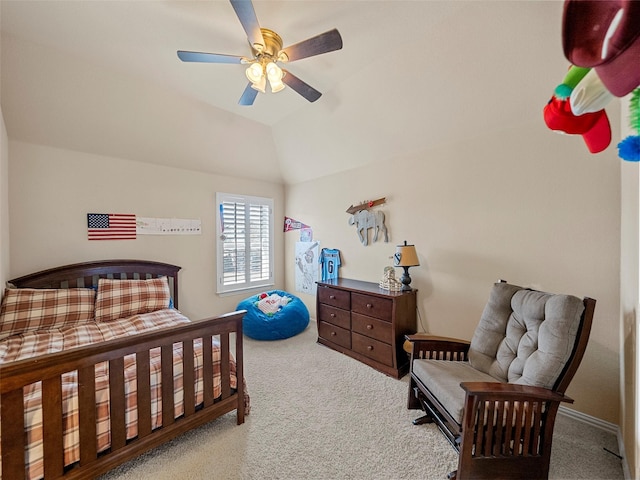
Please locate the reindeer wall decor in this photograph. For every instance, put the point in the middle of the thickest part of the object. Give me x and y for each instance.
(365, 219)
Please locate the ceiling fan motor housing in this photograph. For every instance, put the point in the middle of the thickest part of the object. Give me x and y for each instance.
(271, 48)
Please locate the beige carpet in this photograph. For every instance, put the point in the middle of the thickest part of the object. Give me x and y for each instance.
(317, 414)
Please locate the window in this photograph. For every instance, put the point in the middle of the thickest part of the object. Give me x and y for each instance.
(245, 242)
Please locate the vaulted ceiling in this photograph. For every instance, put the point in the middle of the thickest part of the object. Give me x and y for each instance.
(103, 77)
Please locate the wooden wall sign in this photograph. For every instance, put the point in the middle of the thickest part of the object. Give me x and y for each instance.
(364, 220)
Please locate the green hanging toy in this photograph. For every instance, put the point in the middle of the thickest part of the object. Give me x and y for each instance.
(629, 148)
(571, 79)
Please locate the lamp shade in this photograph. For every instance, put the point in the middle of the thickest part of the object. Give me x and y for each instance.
(276, 86)
(275, 74)
(406, 256)
(260, 85)
(254, 72)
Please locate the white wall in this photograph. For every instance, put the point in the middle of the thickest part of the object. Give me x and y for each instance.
(629, 357)
(52, 190)
(525, 205)
(629, 298)
(4, 203)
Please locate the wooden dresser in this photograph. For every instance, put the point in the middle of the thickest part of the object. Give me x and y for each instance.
(366, 322)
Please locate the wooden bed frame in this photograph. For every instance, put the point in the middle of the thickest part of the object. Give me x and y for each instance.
(49, 368)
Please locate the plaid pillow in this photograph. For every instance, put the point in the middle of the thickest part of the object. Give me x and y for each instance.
(31, 309)
(125, 298)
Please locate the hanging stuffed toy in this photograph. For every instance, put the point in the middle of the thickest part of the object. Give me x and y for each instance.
(571, 79)
(589, 95)
(629, 148)
(594, 126)
(604, 35)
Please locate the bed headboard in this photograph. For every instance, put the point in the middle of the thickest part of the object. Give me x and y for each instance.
(86, 274)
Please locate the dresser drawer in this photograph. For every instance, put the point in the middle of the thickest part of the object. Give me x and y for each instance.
(378, 351)
(335, 297)
(371, 327)
(372, 306)
(337, 335)
(337, 316)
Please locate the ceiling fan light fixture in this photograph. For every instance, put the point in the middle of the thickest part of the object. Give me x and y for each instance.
(260, 85)
(255, 72)
(274, 72)
(276, 86)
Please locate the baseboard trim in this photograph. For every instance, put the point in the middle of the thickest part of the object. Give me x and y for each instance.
(603, 425)
(588, 419)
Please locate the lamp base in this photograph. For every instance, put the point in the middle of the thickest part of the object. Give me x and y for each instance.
(405, 280)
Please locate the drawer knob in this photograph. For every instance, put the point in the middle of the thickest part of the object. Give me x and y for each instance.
(369, 327)
(369, 347)
(333, 334)
(332, 297)
(333, 315)
(369, 305)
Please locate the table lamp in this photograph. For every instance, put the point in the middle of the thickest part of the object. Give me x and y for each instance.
(405, 257)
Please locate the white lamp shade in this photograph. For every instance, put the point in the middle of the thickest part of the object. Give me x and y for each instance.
(254, 72)
(276, 86)
(274, 72)
(260, 85)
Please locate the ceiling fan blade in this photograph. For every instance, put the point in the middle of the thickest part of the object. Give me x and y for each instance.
(247, 16)
(208, 57)
(304, 89)
(248, 96)
(323, 43)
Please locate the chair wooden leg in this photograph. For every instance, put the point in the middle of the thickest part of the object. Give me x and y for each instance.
(426, 418)
(423, 419)
(413, 402)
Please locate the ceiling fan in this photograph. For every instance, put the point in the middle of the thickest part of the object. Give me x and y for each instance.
(267, 51)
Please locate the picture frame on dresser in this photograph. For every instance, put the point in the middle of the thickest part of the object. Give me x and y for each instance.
(367, 323)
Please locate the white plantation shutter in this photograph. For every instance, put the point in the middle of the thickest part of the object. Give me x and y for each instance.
(245, 242)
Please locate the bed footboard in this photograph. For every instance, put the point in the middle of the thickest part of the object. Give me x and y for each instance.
(49, 370)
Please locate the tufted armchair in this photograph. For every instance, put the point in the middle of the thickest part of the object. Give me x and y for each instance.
(496, 398)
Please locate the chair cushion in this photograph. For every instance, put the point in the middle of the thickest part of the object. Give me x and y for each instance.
(443, 378)
(525, 336)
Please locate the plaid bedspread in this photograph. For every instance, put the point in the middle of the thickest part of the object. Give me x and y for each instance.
(30, 344)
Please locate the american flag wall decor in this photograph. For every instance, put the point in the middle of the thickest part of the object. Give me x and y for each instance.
(111, 226)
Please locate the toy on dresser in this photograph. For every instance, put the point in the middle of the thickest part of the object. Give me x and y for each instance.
(389, 280)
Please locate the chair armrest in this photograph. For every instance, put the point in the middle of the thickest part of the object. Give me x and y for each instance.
(507, 421)
(427, 346)
(512, 392)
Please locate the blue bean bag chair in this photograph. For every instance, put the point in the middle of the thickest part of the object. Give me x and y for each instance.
(273, 315)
